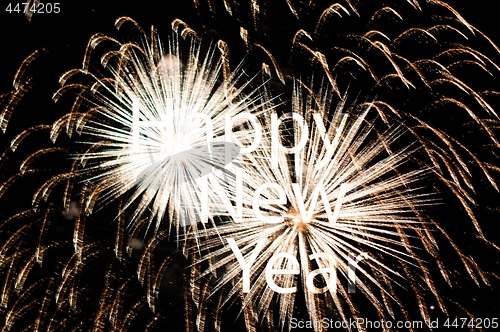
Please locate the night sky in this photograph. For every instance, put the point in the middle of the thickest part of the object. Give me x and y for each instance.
(62, 39)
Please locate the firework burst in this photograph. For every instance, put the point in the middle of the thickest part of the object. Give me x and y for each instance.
(155, 125)
(343, 198)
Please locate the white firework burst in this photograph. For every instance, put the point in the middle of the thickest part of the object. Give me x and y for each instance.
(345, 197)
(156, 124)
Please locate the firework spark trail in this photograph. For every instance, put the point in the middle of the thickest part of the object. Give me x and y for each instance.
(378, 45)
(377, 213)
